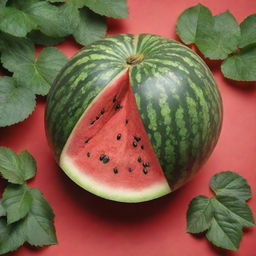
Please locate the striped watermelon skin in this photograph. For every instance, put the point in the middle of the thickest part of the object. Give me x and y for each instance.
(177, 97)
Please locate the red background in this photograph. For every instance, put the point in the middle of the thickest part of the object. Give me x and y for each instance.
(89, 225)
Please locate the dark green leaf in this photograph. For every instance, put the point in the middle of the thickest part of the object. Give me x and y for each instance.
(2, 210)
(248, 31)
(223, 232)
(187, 22)
(16, 168)
(16, 102)
(11, 236)
(41, 39)
(241, 66)
(199, 214)
(15, 22)
(109, 8)
(39, 222)
(230, 184)
(17, 201)
(92, 27)
(217, 36)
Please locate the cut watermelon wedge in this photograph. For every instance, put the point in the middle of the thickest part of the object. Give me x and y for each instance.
(108, 152)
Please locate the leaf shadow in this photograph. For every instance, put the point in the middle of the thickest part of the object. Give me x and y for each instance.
(114, 26)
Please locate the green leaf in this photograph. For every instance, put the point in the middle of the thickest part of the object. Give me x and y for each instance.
(217, 36)
(241, 66)
(15, 22)
(3, 3)
(186, 26)
(11, 236)
(235, 208)
(92, 27)
(39, 38)
(223, 232)
(54, 21)
(16, 102)
(17, 201)
(230, 184)
(2, 210)
(248, 31)
(39, 222)
(199, 214)
(109, 8)
(16, 168)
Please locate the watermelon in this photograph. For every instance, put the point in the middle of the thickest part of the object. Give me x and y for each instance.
(133, 117)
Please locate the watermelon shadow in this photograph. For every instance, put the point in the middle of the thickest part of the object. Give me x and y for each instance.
(111, 210)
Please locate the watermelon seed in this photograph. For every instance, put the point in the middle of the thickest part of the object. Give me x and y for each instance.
(88, 154)
(145, 164)
(115, 170)
(137, 138)
(97, 117)
(105, 159)
(86, 141)
(92, 122)
(118, 106)
(126, 121)
(142, 146)
(134, 144)
(102, 157)
(114, 99)
(118, 137)
(102, 111)
(145, 171)
(139, 159)
(130, 169)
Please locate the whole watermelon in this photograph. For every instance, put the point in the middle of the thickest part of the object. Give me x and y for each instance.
(133, 117)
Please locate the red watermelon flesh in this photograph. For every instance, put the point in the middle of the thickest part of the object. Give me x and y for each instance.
(109, 153)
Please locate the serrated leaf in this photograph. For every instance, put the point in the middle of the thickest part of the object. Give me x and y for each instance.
(224, 233)
(92, 27)
(230, 184)
(199, 214)
(109, 8)
(16, 168)
(235, 208)
(11, 236)
(218, 36)
(248, 31)
(16, 102)
(15, 22)
(2, 210)
(52, 20)
(187, 22)
(39, 38)
(241, 66)
(17, 201)
(39, 222)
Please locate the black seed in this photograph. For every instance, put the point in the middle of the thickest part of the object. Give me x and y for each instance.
(126, 121)
(134, 144)
(102, 111)
(142, 146)
(139, 159)
(114, 99)
(115, 170)
(102, 157)
(88, 154)
(97, 117)
(130, 169)
(92, 122)
(145, 164)
(118, 137)
(145, 171)
(118, 106)
(105, 159)
(137, 138)
(86, 141)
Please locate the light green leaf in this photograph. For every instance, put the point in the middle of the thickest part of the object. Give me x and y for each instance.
(223, 232)
(15, 22)
(248, 31)
(92, 27)
(39, 38)
(11, 236)
(109, 8)
(241, 66)
(17, 201)
(186, 26)
(3, 3)
(16, 102)
(230, 184)
(199, 214)
(16, 168)
(39, 222)
(218, 36)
